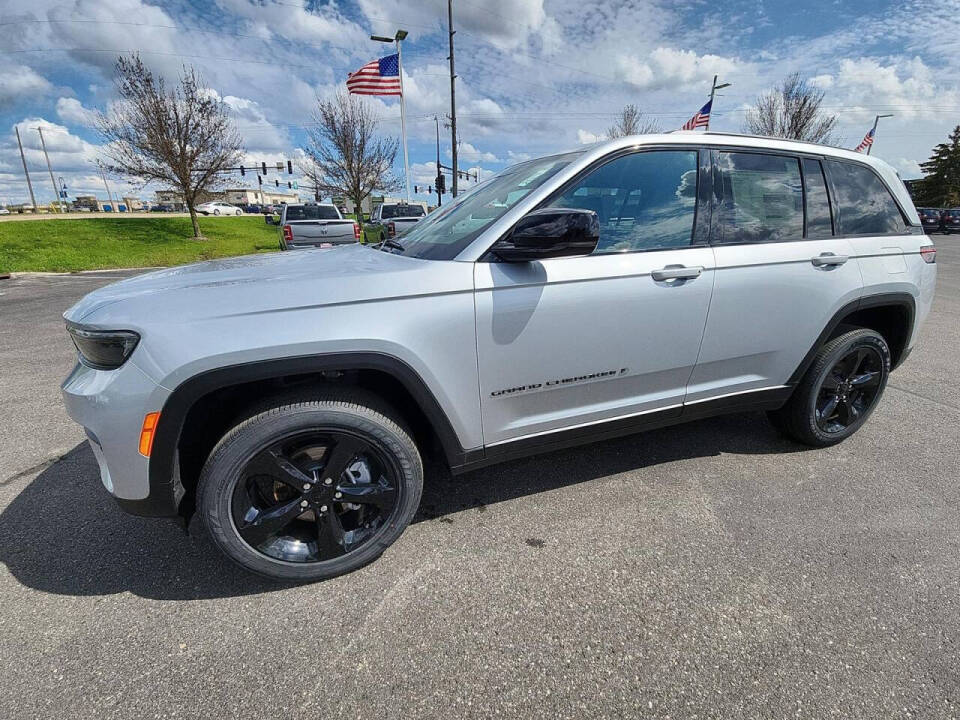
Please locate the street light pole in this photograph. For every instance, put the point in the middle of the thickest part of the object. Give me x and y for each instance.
(873, 133)
(713, 92)
(53, 182)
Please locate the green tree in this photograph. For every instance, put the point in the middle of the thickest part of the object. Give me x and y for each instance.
(940, 186)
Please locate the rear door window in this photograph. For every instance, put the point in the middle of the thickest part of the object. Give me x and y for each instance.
(865, 205)
(819, 221)
(311, 212)
(761, 198)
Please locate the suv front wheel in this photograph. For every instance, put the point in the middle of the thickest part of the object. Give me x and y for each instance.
(308, 490)
(838, 392)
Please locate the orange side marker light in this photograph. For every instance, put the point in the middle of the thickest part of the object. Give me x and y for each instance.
(147, 432)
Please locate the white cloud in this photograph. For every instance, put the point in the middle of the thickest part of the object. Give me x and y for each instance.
(17, 82)
(468, 153)
(669, 67)
(585, 137)
(72, 111)
(506, 24)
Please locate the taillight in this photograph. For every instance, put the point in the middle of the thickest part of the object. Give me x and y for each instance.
(288, 233)
(356, 231)
(391, 229)
(928, 253)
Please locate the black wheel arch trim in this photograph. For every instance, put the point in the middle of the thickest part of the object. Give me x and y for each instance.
(166, 490)
(904, 300)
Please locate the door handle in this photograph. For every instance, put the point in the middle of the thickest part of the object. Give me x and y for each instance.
(828, 259)
(676, 272)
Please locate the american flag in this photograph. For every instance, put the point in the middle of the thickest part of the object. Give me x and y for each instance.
(701, 119)
(379, 77)
(866, 142)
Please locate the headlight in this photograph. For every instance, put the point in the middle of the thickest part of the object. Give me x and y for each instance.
(103, 349)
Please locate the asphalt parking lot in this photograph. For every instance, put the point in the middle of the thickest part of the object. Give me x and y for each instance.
(706, 570)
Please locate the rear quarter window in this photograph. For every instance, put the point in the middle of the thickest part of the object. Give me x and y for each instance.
(865, 205)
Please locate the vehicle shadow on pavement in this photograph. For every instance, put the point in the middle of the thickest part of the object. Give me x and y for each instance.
(744, 434)
(64, 535)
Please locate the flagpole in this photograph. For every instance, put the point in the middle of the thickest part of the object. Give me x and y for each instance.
(403, 119)
(873, 132)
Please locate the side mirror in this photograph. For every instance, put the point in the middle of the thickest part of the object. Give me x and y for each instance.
(550, 233)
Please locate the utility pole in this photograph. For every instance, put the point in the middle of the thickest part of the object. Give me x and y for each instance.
(713, 92)
(107, 188)
(437, 179)
(23, 159)
(56, 190)
(453, 98)
(873, 133)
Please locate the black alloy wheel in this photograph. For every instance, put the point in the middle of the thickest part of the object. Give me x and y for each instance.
(850, 389)
(311, 488)
(314, 496)
(839, 390)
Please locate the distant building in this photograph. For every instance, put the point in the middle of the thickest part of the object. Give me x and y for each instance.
(88, 202)
(133, 204)
(170, 198)
(256, 196)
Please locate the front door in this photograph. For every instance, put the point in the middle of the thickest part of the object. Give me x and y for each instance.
(572, 342)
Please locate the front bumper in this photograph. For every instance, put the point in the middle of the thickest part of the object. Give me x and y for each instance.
(110, 406)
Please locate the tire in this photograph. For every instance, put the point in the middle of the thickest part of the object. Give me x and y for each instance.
(246, 489)
(216, 212)
(239, 213)
(839, 391)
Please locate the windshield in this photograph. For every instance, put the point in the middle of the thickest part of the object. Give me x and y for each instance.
(450, 228)
(393, 211)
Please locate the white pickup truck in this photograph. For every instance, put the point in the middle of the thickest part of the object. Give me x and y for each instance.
(391, 220)
(313, 225)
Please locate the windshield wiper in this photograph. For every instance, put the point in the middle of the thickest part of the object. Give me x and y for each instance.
(393, 244)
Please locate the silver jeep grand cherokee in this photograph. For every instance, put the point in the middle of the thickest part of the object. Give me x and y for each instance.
(645, 281)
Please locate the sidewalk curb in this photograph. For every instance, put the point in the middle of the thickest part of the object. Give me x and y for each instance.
(31, 273)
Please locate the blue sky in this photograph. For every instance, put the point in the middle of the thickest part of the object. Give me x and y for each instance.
(535, 76)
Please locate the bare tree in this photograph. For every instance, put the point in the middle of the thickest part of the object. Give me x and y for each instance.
(182, 137)
(345, 155)
(631, 121)
(792, 110)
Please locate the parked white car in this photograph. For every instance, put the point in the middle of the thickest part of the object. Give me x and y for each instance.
(218, 208)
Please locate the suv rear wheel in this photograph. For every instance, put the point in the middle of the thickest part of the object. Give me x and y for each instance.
(838, 392)
(308, 490)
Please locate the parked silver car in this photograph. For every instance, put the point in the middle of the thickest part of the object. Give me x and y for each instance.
(643, 282)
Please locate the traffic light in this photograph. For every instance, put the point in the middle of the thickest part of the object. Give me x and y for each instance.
(277, 182)
(289, 167)
(242, 171)
(290, 185)
(260, 180)
(441, 183)
(263, 168)
(416, 189)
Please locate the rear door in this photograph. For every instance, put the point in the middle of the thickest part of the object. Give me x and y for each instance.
(781, 271)
(574, 342)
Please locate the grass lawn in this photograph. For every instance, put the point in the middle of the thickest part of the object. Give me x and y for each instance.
(98, 243)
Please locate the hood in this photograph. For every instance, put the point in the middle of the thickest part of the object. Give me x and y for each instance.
(271, 282)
